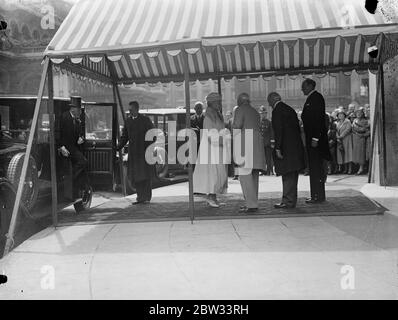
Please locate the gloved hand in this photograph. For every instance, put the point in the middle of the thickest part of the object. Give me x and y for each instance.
(64, 151)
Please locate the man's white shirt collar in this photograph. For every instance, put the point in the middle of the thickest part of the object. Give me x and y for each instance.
(276, 103)
(311, 93)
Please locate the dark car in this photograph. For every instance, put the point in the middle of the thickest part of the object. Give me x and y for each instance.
(99, 124)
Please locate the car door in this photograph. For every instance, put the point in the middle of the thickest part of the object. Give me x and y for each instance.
(100, 125)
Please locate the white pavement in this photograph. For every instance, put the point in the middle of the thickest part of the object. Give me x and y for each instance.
(286, 258)
(386, 196)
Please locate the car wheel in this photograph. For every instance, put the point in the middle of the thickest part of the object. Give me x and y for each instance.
(7, 199)
(162, 165)
(31, 185)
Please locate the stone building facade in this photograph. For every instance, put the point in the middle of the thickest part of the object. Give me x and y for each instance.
(31, 26)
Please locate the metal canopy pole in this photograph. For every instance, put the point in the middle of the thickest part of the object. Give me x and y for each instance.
(122, 181)
(115, 86)
(116, 99)
(18, 197)
(120, 102)
(383, 109)
(217, 69)
(54, 196)
(219, 85)
(188, 126)
(374, 129)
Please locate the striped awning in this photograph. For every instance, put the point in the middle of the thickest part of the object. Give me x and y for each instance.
(144, 40)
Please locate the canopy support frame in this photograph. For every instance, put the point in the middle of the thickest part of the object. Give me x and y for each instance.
(118, 101)
(17, 204)
(188, 126)
(53, 166)
(383, 126)
(122, 181)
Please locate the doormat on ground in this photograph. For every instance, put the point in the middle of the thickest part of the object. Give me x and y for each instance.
(339, 203)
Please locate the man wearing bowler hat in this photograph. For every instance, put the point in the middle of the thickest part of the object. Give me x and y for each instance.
(71, 140)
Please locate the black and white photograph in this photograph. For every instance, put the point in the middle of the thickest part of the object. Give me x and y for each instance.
(207, 153)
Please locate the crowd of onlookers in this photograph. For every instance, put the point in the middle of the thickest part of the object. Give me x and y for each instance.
(349, 140)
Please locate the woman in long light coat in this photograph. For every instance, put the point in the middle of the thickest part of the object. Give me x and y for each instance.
(344, 142)
(211, 175)
(360, 132)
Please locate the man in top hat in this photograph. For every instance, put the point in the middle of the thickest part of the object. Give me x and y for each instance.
(71, 140)
(289, 150)
(268, 138)
(314, 122)
(246, 118)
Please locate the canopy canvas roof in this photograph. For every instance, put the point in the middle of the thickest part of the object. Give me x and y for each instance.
(142, 40)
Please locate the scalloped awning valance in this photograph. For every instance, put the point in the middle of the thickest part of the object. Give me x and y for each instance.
(114, 39)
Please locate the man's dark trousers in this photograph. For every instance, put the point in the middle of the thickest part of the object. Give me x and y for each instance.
(317, 174)
(144, 190)
(289, 181)
(79, 167)
(268, 160)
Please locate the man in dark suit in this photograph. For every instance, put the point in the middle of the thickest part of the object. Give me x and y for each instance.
(139, 171)
(288, 151)
(313, 117)
(71, 140)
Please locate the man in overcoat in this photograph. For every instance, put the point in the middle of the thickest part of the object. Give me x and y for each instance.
(289, 149)
(71, 140)
(313, 117)
(247, 118)
(139, 172)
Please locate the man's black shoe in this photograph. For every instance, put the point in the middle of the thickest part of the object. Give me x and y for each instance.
(140, 202)
(312, 201)
(283, 206)
(248, 210)
(87, 194)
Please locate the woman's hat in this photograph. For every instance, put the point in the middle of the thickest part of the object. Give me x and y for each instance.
(213, 97)
(340, 110)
